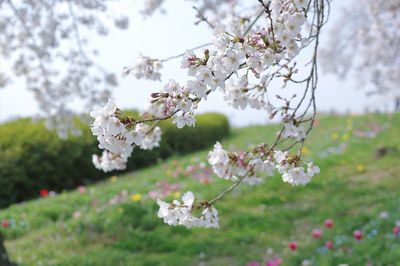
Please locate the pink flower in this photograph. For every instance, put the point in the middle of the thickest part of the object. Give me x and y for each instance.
(396, 230)
(329, 244)
(358, 234)
(274, 262)
(292, 245)
(316, 233)
(5, 223)
(328, 223)
(82, 189)
(153, 194)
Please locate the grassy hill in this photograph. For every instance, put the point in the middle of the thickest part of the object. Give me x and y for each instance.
(115, 222)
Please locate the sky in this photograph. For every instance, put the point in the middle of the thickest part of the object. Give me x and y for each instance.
(163, 35)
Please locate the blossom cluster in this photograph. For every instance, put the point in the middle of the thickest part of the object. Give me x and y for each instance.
(250, 166)
(172, 99)
(181, 213)
(117, 140)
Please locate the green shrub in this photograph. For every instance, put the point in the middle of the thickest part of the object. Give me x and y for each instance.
(34, 158)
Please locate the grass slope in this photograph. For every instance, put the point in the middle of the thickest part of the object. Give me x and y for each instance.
(83, 229)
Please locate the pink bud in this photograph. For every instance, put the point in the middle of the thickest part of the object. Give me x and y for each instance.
(358, 234)
(316, 233)
(396, 230)
(329, 244)
(5, 223)
(292, 245)
(82, 189)
(328, 223)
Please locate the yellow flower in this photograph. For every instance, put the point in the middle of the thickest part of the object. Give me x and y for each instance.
(177, 194)
(334, 136)
(114, 179)
(345, 137)
(137, 197)
(305, 151)
(360, 167)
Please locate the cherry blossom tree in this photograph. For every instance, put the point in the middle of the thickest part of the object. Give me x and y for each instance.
(253, 47)
(365, 42)
(43, 43)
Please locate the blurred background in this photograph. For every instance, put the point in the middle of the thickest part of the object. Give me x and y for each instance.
(57, 209)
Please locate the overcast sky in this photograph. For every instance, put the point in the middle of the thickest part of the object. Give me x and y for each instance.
(161, 36)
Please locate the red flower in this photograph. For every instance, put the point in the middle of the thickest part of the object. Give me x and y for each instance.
(292, 245)
(328, 223)
(5, 223)
(316, 233)
(44, 193)
(358, 234)
(396, 230)
(329, 244)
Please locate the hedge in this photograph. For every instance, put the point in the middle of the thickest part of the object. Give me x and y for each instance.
(34, 158)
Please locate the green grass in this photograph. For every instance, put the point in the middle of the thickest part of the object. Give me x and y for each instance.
(253, 219)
